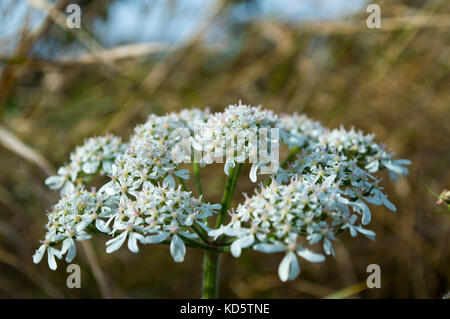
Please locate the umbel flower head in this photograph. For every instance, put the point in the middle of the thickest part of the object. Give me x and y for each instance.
(325, 189)
(236, 135)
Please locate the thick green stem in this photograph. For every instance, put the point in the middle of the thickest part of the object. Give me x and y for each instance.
(211, 259)
(225, 198)
(210, 275)
(196, 168)
(234, 181)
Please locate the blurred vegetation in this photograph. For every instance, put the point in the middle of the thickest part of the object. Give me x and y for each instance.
(393, 82)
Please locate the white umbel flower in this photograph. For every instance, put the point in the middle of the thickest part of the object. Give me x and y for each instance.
(72, 219)
(326, 188)
(95, 156)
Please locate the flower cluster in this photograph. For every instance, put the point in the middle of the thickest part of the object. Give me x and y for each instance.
(326, 188)
(369, 155)
(144, 211)
(158, 214)
(324, 192)
(325, 195)
(72, 218)
(95, 156)
(237, 134)
(149, 157)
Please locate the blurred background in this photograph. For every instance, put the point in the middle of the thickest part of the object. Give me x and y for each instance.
(133, 58)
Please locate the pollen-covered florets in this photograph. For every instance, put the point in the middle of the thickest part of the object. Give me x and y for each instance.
(95, 156)
(71, 219)
(310, 135)
(150, 156)
(236, 134)
(155, 215)
(158, 214)
(362, 148)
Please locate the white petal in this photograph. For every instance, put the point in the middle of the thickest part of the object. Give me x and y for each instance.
(85, 223)
(37, 257)
(289, 268)
(373, 166)
(72, 252)
(388, 204)
(111, 188)
(54, 182)
(107, 166)
(177, 249)
(67, 189)
(82, 236)
(215, 233)
(310, 256)
(269, 248)
(156, 239)
(236, 248)
(366, 232)
(253, 172)
(169, 181)
(365, 211)
(65, 246)
(182, 173)
(90, 167)
(132, 243)
(51, 258)
(394, 168)
(102, 226)
(328, 247)
(115, 243)
(247, 241)
(243, 242)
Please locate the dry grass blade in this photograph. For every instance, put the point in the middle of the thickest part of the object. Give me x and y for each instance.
(348, 291)
(11, 142)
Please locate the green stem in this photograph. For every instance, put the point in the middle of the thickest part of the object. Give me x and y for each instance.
(196, 168)
(225, 198)
(200, 232)
(237, 173)
(211, 259)
(210, 272)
